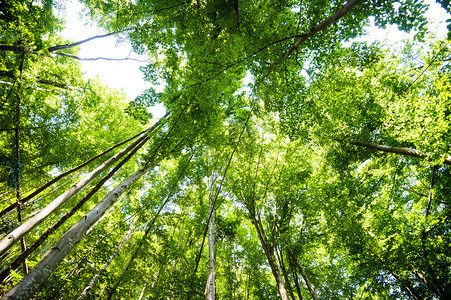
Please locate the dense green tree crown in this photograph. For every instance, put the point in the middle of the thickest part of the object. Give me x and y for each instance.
(324, 160)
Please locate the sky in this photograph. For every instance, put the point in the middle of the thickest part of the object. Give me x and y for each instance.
(126, 75)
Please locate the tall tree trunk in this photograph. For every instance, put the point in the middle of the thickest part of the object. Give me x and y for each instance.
(74, 209)
(210, 289)
(17, 173)
(45, 267)
(304, 275)
(270, 256)
(94, 279)
(23, 229)
(62, 175)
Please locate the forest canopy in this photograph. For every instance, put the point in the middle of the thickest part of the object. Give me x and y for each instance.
(294, 161)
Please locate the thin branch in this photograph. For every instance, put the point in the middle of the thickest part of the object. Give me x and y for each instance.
(96, 58)
(335, 17)
(399, 150)
(66, 46)
(10, 74)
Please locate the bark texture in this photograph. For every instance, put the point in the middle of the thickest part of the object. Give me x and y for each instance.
(31, 223)
(94, 279)
(26, 288)
(399, 150)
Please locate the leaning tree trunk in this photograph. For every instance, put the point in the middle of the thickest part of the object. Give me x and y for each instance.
(399, 150)
(279, 256)
(270, 256)
(30, 283)
(94, 279)
(23, 229)
(65, 217)
(304, 275)
(62, 175)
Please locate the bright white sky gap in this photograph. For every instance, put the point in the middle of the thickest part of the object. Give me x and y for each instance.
(126, 75)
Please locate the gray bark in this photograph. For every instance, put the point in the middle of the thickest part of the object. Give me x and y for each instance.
(30, 283)
(94, 279)
(31, 223)
(210, 289)
(304, 275)
(398, 150)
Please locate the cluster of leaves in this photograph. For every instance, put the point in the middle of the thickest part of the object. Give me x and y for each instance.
(301, 209)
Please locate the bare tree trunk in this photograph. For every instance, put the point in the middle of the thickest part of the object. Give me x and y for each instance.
(74, 209)
(94, 279)
(304, 275)
(23, 229)
(210, 289)
(45, 267)
(62, 175)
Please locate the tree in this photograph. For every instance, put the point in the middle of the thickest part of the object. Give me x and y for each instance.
(331, 167)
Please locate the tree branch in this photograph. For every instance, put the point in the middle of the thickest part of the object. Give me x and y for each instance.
(96, 58)
(66, 46)
(399, 150)
(304, 37)
(10, 74)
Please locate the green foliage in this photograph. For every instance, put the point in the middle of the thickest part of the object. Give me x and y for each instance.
(296, 200)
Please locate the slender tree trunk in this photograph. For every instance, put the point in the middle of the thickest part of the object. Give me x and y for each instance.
(345, 9)
(434, 285)
(145, 284)
(270, 256)
(62, 175)
(149, 227)
(236, 270)
(405, 285)
(74, 209)
(23, 229)
(325, 278)
(284, 272)
(210, 289)
(170, 291)
(304, 275)
(94, 279)
(30, 283)
(18, 167)
(295, 277)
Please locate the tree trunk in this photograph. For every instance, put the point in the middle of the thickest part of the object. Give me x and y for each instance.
(74, 209)
(270, 256)
(210, 289)
(17, 173)
(304, 275)
(62, 175)
(94, 279)
(30, 283)
(296, 278)
(284, 272)
(135, 253)
(23, 229)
